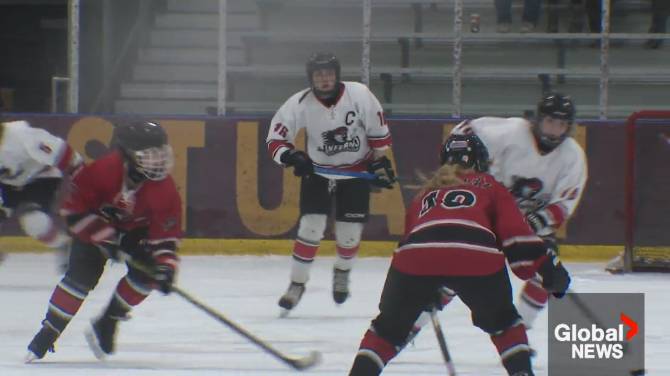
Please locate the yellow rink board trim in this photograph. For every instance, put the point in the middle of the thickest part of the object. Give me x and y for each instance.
(285, 246)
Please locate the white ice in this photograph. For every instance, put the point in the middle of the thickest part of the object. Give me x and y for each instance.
(168, 336)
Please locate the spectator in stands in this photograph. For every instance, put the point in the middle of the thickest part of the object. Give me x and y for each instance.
(660, 10)
(531, 15)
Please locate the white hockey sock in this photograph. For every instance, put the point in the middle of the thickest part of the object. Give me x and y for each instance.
(528, 312)
(300, 271)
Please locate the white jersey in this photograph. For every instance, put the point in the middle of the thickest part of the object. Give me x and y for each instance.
(27, 153)
(340, 136)
(550, 184)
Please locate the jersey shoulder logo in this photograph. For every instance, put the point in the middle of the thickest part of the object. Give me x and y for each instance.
(338, 140)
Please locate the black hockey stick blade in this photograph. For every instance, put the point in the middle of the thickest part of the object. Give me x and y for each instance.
(303, 362)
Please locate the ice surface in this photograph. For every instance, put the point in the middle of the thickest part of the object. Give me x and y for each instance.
(168, 336)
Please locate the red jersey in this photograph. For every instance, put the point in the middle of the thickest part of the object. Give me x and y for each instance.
(467, 230)
(154, 204)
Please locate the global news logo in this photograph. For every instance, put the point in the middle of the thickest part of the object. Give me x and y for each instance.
(595, 342)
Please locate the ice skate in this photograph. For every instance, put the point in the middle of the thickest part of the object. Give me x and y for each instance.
(42, 342)
(340, 285)
(615, 265)
(100, 336)
(291, 298)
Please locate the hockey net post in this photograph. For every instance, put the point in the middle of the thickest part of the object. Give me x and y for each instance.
(640, 257)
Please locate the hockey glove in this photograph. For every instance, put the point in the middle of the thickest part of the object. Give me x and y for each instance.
(441, 298)
(384, 171)
(302, 164)
(536, 222)
(555, 278)
(165, 267)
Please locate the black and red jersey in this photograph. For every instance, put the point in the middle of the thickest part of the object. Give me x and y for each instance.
(467, 230)
(98, 187)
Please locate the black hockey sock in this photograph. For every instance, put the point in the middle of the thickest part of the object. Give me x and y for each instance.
(116, 309)
(518, 364)
(364, 366)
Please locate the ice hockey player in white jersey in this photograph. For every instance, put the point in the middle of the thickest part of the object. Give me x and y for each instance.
(543, 167)
(346, 132)
(33, 163)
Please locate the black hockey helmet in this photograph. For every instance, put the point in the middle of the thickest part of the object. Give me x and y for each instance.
(145, 145)
(465, 150)
(322, 60)
(556, 106)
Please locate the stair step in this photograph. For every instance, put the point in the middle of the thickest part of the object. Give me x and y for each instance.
(181, 107)
(212, 6)
(185, 55)
(169, 91)
(238, 21)
(175, 73)
(191, 38)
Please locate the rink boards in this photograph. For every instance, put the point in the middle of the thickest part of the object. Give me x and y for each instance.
(20, 244)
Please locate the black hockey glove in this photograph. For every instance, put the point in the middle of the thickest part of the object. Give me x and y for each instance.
(441, 298)
(164, 277)
(555, 278)
(384, 171)
(302, 164)
(164, 269)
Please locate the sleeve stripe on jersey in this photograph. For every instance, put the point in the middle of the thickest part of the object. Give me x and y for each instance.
(65, 158)
(555, 214)
(164, 240)
(455, 245)
(522, 263)
(461, 222)
(521, 239)
(277, 146)
(453, 233)
(378, 142)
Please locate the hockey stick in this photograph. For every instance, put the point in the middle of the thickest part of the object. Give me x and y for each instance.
(298, 363)
(586, 311)
(336, 172)
(451, 370)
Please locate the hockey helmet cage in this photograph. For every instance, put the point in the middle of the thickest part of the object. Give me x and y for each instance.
(465, 150)
(145, 145)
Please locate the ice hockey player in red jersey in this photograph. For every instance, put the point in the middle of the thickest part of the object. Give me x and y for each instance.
(346, 132)
(459, 230)
(125, 200)
(33, 164)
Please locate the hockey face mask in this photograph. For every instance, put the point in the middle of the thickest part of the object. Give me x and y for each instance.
(154, 163)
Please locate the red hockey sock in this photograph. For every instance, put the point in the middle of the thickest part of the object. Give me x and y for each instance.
(534, 294)
(512, 345)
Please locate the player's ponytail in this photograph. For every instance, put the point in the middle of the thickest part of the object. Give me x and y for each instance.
(447, 175)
